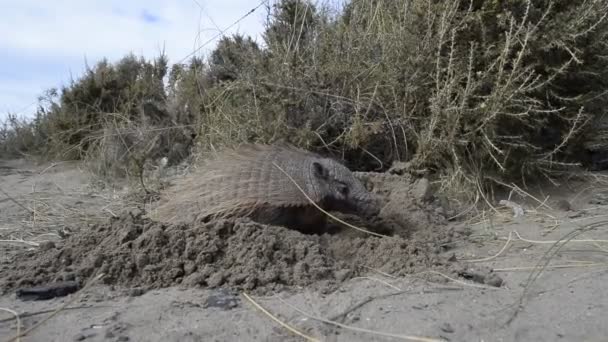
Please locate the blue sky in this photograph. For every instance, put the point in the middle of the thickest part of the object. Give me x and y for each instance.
(45, 43)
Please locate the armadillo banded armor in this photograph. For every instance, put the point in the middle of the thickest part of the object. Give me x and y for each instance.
(241, 181)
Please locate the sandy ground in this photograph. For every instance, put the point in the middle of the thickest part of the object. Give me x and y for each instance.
(568, 302)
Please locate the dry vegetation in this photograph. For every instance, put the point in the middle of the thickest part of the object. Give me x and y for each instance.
(479, 92)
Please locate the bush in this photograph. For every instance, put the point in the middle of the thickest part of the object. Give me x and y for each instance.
(103, 117)
(479, 92)
(483, 92)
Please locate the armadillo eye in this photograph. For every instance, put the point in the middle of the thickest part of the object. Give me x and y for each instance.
(343, 189)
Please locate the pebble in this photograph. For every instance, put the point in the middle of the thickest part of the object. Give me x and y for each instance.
(46, 245)
(446, 328)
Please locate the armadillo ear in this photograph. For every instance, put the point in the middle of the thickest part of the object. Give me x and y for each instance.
(319, 170)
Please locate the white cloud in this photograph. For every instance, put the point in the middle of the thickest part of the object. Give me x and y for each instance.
(69, 31)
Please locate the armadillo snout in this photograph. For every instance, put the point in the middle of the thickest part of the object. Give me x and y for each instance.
(369, 207)
(365, 207)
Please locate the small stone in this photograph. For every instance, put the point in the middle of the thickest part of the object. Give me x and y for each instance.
(136, 292)
(216, 279)
(482, 275)
(69, 276)
(399, 168)
(46, 245)
(342, 275)
(84, 335)
(190, 267)
(463, 230)
(493, 279)
(136, 213)
(422, 190)
(222, 299)
(446, 328)
(599, 199)
(563, 205)
(142, 260)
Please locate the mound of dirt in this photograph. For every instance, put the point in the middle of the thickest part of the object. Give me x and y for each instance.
(240, 254)
(135, 251)
(408, 201)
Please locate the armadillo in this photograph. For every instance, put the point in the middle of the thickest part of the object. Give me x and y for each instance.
(252, 181)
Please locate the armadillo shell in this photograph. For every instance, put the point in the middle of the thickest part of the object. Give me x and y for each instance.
(240, 181)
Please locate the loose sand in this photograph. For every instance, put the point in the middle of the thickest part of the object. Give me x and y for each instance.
(188, 282)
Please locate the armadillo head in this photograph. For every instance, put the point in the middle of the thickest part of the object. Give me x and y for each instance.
(342, 191)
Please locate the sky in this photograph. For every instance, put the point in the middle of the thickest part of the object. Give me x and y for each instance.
(44, 44)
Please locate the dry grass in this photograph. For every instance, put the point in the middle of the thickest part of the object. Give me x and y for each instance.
(470, 111)
(445, 86)
(18, 319)
(543, 263)
(51, 213)
(334, 323)
(479, 102)
(274, 318)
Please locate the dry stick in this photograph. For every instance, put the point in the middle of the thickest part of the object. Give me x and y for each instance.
(589, 217)
(510, 238)
(323, 211)
(348, 327)
(461, 282)
(542, 264)
(224, 30)
(528, 268)
(494, 256)
(464, 212)
(434, 272)
(34, 211)
(379, 272)
(521, 191)
(480, 191)
(29, 243)
(555, 241)
(373, 156)
(597, 245)
(140, 174)
(49, 167)
(42, 312)
(18, 321)
(10, 198)
(368, 299)
(63, 306)
(283, 324)
(379, 281)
